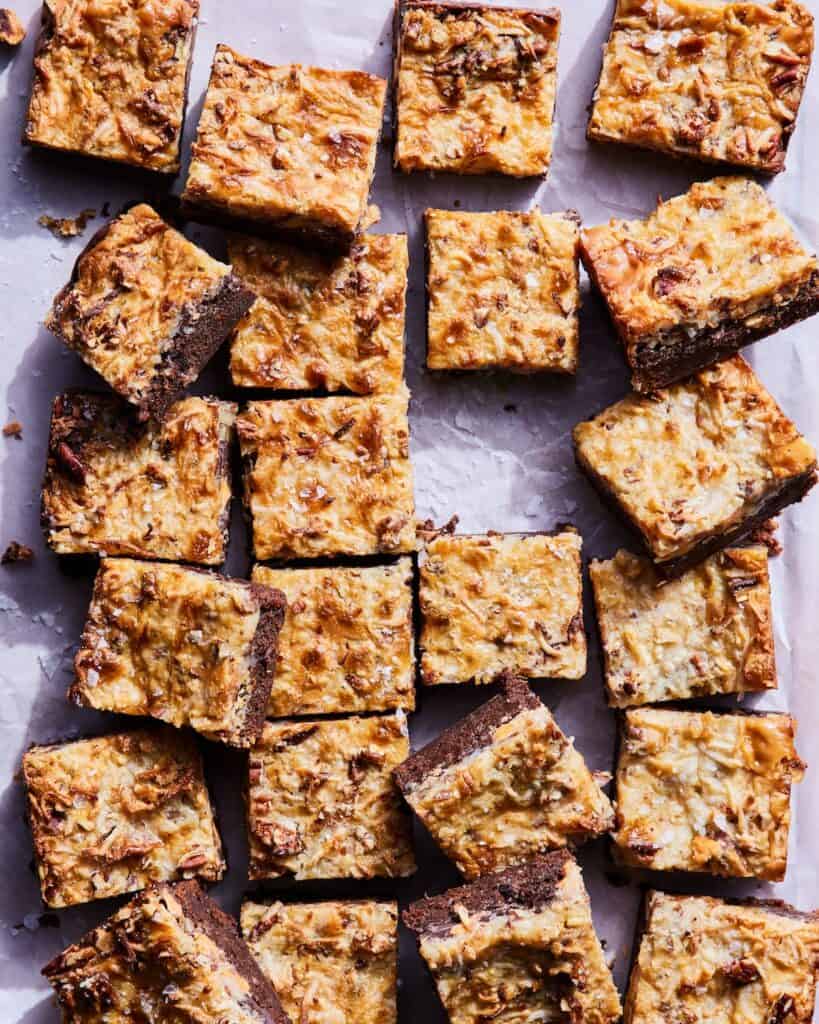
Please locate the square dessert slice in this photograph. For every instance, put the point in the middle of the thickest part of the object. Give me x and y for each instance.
(111, 80)
(503, 291)
(517, 947)
(182, 645)
(720, 962)
(698, 465)
(474, 87)
(704, 791)
(339, 954)
(288, 150)
(147, 309)
(710, 631)
(502, 604)
(707, 273)
(321, 323)
(170, 954)
(347, 642)
(118, 487)
(717, 82)
(112, 814)
(322, 802)
(328, 476)
(503, 785)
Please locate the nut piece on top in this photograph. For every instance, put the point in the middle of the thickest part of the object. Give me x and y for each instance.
(169, 954)
(185, 646)
(710, 631)
(111, 80)
(347, 642)
(118, 487)
(707, 273)
(502, 604)
(717, 82)
(319, 323)
(503, 785)
(475, 87)
(308, 173)
(12, 32)
(328, 476)
(503, 291)
(699, 791)
(112, 814)
(720, 963)
(519, 945)
(696, 466)
(322, 802)
(147, 309)
(339, 955)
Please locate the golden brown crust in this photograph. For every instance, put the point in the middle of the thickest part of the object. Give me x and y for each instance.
(503, 291)
(12, 32)
(113, 814)
(111, 80)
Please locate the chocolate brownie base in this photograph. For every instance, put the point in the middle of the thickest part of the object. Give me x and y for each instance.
(263, 653)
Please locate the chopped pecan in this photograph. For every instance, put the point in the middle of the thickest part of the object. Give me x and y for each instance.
(780, 1010)
(784, 80)
(293, 739)
(70, 463)
(742, 972)
(667, 278)
(16, 552)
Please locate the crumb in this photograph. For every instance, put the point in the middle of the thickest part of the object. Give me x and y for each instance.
(457, 204)
(16, 552)
(12, 32)
(67, 227)
(510, 407)
(106, 209)
(13, 429)
(427, 530)
(765, 534)
(371, 217)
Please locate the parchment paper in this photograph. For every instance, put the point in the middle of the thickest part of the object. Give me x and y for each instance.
(494, 450)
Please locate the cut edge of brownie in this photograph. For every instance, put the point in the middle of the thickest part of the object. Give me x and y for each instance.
(263, 654)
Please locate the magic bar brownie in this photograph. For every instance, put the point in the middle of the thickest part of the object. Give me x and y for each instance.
(517, 947)
(503, 291)
(328, 476)
(110, 815)
(170, 954)
(718, 82)
(714, 962)
(286, 149)
(698, 465)
(322, 802)
(502, 604)
(111, 80)
(347, 642)
(710, 631)
(707, 273)
(503, 785)
(182, 645)
(119, 487)
(700, 791)
(147, 309)
(321, 323)
(475, 87)
(329, 962)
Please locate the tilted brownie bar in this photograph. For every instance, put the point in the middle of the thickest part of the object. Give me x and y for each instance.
(147, 309)
(169, 954)
(704, 275)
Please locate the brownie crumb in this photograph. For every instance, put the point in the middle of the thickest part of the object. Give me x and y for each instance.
(510, 407)
(13, 429)
(766, 534)
(67, 227)
(427, 530)
(12, 32)
(16, 552)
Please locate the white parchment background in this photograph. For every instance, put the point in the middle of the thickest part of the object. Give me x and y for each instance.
(494, 450)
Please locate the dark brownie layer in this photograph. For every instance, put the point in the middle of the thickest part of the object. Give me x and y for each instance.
(263, 653)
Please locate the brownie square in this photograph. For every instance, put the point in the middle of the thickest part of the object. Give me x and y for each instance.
(321, 323)
(340, 954)
(111, 80)
(328, 476)
(721, 962)
(119, 487)
(502, 604)
(147, 309)
(518, 946)
(322, 802)
(717, 82)
(112, 814)
(168, 954)
(503, 291)
(698, 465)
(288, 150)
(708, 792)
(347, 642)
(709, 631)
(503, 785)
(182, 645)
(474, 87)
(705, 274)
